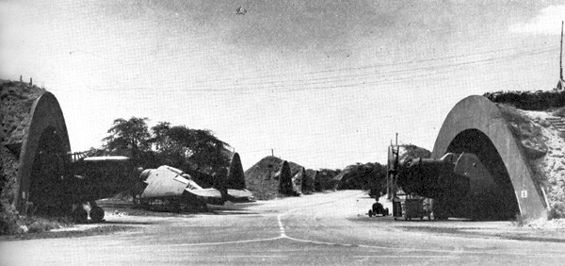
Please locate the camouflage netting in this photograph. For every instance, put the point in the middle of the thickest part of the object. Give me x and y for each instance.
(16, 100)
(542, 143)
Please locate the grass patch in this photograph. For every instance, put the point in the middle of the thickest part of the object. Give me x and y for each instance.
(559, 112)
(41, 224)
(520, 220)
(15, 224)
(98, 230)
(512, 115)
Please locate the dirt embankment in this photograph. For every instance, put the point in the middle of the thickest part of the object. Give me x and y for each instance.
(542, 140)
(16, 100)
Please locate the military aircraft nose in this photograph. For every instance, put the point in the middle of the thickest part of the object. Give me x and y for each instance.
(144, 174)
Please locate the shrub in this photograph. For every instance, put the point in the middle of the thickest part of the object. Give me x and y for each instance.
(38, 225)
(557, 210)
(539, 100)
(9, 221)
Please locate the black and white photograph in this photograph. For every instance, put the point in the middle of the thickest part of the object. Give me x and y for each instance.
(282, 132)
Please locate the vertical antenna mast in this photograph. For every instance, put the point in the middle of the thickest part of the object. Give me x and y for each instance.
(561, 55)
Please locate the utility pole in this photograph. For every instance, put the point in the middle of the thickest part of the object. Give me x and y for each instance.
(393, 152)
(561, 83)
(561, 55)
(395, 177)
(272, 152)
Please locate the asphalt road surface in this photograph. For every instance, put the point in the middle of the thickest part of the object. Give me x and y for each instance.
(319, 229)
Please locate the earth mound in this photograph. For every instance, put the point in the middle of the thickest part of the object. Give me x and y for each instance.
(16, 100)
(263, 178)
(541, 136)
(537, 121)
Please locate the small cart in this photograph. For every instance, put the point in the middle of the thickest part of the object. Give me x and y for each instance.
(411, 207)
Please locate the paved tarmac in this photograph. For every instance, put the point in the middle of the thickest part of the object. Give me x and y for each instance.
(319, 229)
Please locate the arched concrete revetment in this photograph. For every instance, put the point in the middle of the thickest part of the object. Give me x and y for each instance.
(477, 113)
(46, 115)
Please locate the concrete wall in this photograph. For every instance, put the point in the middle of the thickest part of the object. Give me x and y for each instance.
(45, 113)
(477, 112)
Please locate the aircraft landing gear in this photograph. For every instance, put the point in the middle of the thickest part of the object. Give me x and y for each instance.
(204, 207)
(81, 212)
(96, 213)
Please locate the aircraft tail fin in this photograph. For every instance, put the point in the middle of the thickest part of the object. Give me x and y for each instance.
(285, 181)
(236, 177)
(220, 182)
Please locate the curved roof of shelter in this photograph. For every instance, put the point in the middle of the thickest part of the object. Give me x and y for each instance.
(479, 113)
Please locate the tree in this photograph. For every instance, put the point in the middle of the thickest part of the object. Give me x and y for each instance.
(363, 176)
(160, 136)
(208, 152)
(190, 149)
(128, 138)
(178, 146)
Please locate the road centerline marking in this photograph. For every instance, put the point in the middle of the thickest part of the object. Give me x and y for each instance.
(281, 227)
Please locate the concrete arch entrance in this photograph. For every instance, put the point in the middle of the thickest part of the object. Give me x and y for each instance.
(495, 198)
(476, 125)
(44, 149)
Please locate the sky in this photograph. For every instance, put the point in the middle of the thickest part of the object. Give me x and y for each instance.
(325, 84)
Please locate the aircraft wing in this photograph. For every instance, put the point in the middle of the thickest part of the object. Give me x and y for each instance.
(240, 195)
(205, 193)
(94, 178)
(167, 181)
